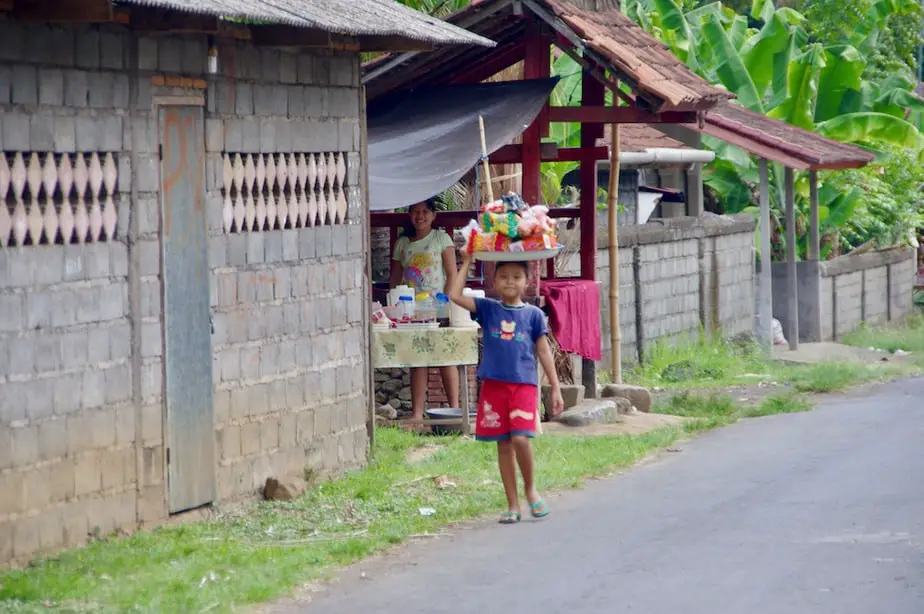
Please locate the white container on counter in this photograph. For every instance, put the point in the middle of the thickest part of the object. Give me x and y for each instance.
(397, 292)
(461, 317)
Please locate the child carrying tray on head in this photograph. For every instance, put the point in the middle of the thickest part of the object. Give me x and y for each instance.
(515, 334)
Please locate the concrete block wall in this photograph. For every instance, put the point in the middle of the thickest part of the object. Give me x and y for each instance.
(676, 277)
(67, 418)
(67, 424)
(827, 307)
(290, 341)
(734, 255)
(848, 289)
(871, 288)
(669, 278)
(82, 419)
(876, 295)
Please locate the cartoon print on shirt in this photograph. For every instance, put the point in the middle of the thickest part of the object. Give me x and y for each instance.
(420, 267)
(508, 330)
(490, 419)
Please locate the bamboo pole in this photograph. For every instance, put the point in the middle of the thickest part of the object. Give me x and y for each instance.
(613, 222)
(489, 189)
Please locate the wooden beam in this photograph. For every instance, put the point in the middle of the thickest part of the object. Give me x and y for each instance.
(535, 66)
(513, 154)
(501, 59)
(70, 11)
(593, 94)
(579, 154)
(618, 115)
(549, 152)
(288, 36)
(456, 219)
(155, 20)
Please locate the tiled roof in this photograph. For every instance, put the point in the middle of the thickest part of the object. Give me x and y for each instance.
(608, 36)
(781, 142)
(644, 59)
(349, 17)
(641, 138)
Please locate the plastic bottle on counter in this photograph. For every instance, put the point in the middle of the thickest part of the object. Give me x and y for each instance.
(406, 307)
(423, 301)
(442, 309)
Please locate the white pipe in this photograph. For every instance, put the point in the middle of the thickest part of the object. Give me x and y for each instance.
(661, 155)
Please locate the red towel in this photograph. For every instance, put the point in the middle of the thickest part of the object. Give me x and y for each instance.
(575, 309)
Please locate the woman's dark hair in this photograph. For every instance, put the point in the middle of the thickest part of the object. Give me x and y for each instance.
(408, 229)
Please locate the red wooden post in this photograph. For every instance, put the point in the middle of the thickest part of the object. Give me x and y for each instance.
(537, 65)
(592, 94)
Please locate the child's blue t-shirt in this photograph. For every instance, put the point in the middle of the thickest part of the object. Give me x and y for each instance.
(510, 336)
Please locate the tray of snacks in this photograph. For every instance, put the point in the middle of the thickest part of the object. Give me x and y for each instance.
(509, 230)
(524, 256)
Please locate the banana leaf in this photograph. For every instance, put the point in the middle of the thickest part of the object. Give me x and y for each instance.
(762, 10)
(840, 209)
(697, 17)
(873, 128)
(799, 107)
(739, 33)
(759, 51)
(730, 68)
(734, 155)
(898, 103)
(724, 178)
(842, 73)
(790, 17)
(674, 21)
(780, 88)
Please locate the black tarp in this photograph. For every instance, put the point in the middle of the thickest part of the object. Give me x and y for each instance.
(422, 142)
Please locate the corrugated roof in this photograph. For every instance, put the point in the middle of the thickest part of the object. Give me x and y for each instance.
(348, 17)
(607, 35)
(644, 59)
(641, 138)
(781, 142)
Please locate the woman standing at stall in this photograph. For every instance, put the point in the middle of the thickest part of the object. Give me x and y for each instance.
(425, 259)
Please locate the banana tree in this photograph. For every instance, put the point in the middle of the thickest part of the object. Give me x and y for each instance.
(775, 70)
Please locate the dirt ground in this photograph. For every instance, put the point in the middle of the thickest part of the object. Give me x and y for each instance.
(636, 423)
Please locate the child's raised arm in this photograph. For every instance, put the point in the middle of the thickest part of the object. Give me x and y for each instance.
(458, 282)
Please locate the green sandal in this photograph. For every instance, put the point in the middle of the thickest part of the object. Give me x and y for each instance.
(538, 509)
(510, 518)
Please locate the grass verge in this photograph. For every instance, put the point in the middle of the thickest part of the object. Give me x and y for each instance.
(908, 336)
(700, 361)
(260, 552)
(704, 362)
(719, 409)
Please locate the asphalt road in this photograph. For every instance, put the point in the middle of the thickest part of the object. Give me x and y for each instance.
(821, 512)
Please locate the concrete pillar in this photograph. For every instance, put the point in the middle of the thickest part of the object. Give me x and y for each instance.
(765, 308)
(792, 271)
(694, 190)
